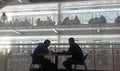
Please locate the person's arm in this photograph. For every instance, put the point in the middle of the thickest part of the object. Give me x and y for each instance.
(41, 50)
(40, 54)
(67, 52)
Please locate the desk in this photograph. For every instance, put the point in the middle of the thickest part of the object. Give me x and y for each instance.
(56, 57)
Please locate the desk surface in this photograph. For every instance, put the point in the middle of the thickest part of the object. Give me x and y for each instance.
(54, 54)
(61, 53)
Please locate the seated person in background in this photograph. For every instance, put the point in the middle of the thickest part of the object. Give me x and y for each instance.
(103, 19)
(50, 21)
(66, 20)
(117, 20)
(38, 56)
(38, 22)
(77, 21)
(26, 23)
(77, 55)
(98, 20)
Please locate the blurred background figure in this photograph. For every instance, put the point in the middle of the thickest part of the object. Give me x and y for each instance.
(117, 20)
(4, 17)
(38, 21)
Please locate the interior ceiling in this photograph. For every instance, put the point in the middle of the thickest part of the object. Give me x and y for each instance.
(4, 2)
(35, 1)
(26, 5)
(21, 2)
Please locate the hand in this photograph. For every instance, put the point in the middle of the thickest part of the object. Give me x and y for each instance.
(64, 51)
(50, 52)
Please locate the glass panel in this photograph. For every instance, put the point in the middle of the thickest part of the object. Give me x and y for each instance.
(117, 58)
(103, 58)
(19, 21)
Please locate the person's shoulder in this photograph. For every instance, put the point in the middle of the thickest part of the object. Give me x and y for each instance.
(75, 44)
(39, 44)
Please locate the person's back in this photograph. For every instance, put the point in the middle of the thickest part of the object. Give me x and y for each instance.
(117, 20)
(40, 49)
(76, 20)
(38, 22)
(103, 19)
(76, 52)
(65, 21)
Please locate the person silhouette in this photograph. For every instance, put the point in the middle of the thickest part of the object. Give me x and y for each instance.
(42, 49)
(77, 55)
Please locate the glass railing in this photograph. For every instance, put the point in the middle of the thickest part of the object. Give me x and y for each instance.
(101, 56)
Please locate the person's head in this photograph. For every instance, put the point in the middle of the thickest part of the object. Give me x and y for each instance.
(38, 19)
(47, 43)
(102, 16)
(71, 40)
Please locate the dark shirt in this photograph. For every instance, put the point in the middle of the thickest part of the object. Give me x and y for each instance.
(76, 52)
(40, 49)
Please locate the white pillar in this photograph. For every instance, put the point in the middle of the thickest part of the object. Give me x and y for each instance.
(59, 13)
(59, 38)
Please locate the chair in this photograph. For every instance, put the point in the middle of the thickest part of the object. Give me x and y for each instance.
(33, 64)
(84, 63)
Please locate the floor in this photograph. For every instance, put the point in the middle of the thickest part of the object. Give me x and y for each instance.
(76, 70)
(87, 70)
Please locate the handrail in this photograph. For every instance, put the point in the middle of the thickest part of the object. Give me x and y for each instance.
(66, 44)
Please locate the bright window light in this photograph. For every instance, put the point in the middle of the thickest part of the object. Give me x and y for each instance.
(5, 44)
(20, 1)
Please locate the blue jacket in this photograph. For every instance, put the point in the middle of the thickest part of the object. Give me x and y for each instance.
(40, 49)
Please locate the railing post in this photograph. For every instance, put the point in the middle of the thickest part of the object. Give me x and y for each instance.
(113, 58)
(6, 56)
(55, 48)
(94, 59)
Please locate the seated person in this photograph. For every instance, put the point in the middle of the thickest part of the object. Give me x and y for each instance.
(103, 19)
(66, 21)
(76, 20)
(39, 58)
(117, 20)
(38, 22)
(98, 20)
(77, 55)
